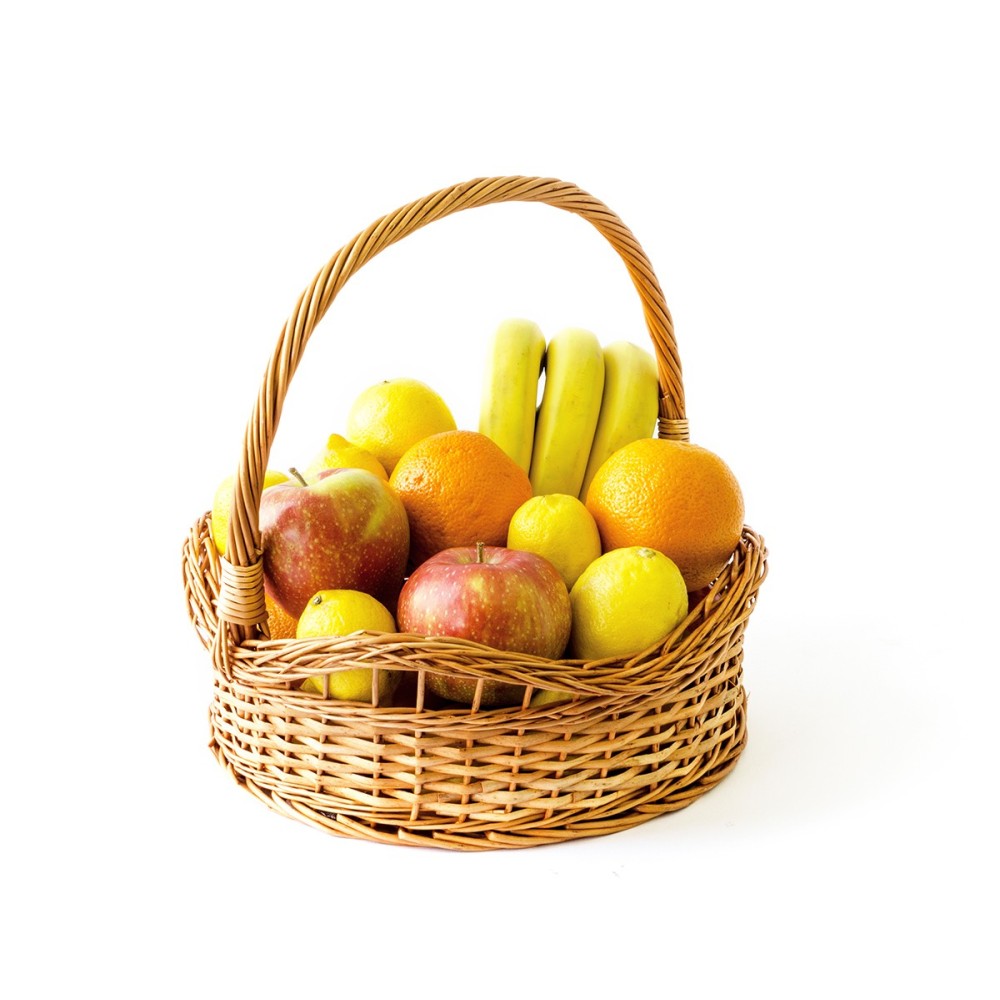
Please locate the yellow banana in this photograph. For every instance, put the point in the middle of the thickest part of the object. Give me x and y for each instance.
(629, 406)
(567, 416)
(510, 388)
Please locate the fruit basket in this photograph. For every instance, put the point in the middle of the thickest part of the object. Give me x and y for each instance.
(632, 738)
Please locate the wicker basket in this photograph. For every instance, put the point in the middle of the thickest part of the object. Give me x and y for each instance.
(634, 738)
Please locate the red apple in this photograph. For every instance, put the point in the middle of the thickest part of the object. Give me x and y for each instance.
(500, 597)
(346, 531)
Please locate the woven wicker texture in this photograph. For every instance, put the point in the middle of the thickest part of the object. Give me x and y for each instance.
(634, 738)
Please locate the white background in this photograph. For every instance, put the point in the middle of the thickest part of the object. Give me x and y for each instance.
(817, 191)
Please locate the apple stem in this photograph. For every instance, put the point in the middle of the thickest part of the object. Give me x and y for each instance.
(298, 475)
(479, 551)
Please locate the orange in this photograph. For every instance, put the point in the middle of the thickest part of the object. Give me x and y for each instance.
(458, 488)
(279, 622)
(672, 496)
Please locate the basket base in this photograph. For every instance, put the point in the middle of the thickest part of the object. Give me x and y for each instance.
(519, 829)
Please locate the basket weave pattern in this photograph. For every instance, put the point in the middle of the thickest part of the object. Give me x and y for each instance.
(634, 738)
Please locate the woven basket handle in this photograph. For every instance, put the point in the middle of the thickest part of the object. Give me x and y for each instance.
(241, 601)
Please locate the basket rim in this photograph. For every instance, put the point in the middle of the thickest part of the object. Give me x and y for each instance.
(282, 663)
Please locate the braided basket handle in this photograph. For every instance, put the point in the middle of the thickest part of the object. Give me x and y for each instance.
(241, 601)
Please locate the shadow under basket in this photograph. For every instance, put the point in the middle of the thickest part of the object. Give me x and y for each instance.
(614, 742)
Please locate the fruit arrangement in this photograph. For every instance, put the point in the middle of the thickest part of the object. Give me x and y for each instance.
(558, 527)
(540, 569)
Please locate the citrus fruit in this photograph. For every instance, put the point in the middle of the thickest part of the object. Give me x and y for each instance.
(624, 602)
(341, 612)
(544, 697)
(222, 505)
(676, 497)
(339, 453)
(560, 528)
(458, 488)
(280, 623)
(389, 417)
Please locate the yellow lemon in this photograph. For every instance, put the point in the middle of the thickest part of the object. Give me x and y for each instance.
(560, 528)
(389, 417)
(341, 612)
(548, 698)
(339, 453)
(625, 602)
(223, 502)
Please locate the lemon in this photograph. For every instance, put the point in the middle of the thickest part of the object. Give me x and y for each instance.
(339, 453)
(548, 698)
(341, 612)
(389, 417)
(223, 502)
(560, 528)
(624, 602)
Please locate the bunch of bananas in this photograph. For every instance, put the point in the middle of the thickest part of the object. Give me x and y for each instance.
(594, 401)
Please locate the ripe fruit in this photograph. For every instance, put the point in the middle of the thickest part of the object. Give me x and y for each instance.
(389, 417)
(502, 598)
(678, 498)
(510, 388)
(560, 528)
(339, 453)
(222, 505)
(544, 697)
(341, 612)
(458, 488)
(280, 624)
(567, 416)
(629, 405)
(348, 530)
(624, 602)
